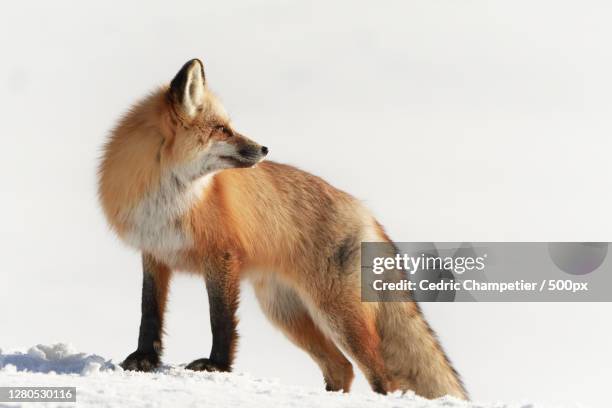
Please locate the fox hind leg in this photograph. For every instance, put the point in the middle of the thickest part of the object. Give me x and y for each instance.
(285, 309)
(354, 326)
(333, 297)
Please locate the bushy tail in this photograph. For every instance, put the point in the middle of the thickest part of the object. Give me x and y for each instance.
(413, 356)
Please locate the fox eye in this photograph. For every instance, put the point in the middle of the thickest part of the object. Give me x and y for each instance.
(224, 129)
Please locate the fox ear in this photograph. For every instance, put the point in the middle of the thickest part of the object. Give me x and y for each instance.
(188, 87)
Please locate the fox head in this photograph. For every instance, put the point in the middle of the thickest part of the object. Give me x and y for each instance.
(178, 134)
(199, 137)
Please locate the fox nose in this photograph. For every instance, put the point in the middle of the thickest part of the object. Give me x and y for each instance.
(264, 150)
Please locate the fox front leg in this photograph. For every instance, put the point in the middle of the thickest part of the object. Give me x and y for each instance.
(223, 287)
(155, 279)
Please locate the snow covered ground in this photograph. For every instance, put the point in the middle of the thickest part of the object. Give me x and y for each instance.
(101, 382)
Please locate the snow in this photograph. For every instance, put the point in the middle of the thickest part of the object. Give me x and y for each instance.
(101, 382)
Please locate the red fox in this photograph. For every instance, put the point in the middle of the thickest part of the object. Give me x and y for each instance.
(181, 185)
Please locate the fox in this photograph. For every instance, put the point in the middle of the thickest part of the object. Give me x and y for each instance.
(177, 182)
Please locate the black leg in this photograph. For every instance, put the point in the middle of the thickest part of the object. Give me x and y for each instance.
(154, 291)
(223, 291)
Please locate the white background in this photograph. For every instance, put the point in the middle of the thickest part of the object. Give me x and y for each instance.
(453, 121)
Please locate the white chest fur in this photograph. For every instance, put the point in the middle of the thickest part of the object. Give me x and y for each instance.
(156, 223)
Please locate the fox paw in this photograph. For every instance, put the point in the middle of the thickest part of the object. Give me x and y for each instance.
(141, 361)
(204, 364)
